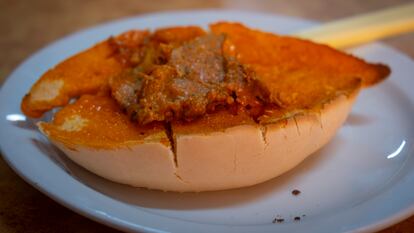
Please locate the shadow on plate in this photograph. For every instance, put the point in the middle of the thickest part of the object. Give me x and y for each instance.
(355, 119)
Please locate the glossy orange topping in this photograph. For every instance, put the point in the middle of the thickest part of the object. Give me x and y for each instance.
(98, 121)
(84, 73)
(297, 73)
(216, 122)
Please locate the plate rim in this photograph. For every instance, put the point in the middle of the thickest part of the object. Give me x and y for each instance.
(381, 224)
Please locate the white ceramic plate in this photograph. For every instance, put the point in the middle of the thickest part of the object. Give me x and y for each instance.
(363, 180)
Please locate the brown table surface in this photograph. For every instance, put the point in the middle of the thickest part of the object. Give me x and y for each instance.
(26, 26)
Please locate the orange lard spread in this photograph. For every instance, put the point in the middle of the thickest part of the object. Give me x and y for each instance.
(133, 86)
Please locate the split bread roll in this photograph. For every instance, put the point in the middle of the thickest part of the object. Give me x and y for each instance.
(240, 153)
(313, 85)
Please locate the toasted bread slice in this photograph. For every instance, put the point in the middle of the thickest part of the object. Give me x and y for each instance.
(244, 154)
(219, 151)
(314, 86)
(84, 73)
(297, 73)
(96, 134)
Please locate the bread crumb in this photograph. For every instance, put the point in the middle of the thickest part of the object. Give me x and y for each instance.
(296, 192)
(73, 123)
(278, 220)
(46, 90)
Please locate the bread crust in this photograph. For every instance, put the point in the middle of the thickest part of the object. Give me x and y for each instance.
(238, 156)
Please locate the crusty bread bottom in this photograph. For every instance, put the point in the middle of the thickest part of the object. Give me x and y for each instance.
(236, 157)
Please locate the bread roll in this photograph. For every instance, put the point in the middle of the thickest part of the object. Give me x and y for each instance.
(312, 88)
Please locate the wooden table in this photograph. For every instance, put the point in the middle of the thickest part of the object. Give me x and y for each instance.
(26, 26)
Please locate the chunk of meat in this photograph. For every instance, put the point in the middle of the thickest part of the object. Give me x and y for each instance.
(196, 80)
(126, 87)
(200, 60)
